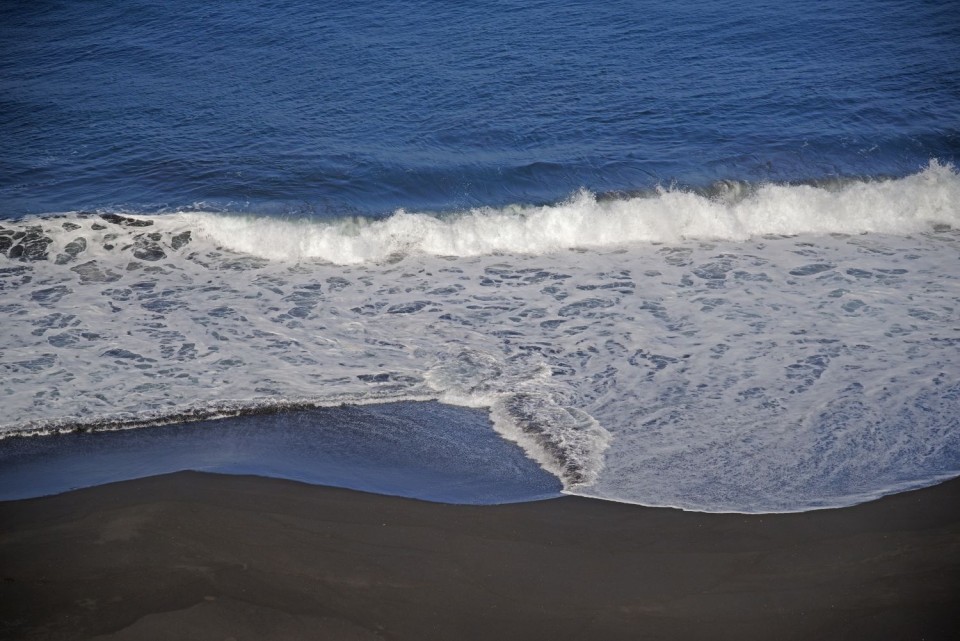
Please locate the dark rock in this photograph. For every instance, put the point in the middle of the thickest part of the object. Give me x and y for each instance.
(70, 252)
(148, 251)
(180, 240)
(123, 221)
(33, 245)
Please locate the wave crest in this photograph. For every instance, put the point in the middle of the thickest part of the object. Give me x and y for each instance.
(892, 206)
(899, 206)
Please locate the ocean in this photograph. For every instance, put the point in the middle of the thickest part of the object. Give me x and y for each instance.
(703, 255)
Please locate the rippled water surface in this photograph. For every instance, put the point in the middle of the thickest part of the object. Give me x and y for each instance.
(368, 106)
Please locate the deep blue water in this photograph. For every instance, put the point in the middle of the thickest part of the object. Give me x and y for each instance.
(369, 106)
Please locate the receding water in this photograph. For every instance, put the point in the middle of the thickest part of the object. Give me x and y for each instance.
(420, 450)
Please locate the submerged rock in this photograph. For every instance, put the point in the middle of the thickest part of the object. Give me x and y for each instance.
(124, 221)
(70, 252)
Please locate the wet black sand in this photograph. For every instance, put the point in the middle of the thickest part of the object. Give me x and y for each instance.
(203, 556)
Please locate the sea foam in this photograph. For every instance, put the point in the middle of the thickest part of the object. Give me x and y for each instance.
(902, 206)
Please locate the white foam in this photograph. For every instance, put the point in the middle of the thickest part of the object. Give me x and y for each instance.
(902, 206)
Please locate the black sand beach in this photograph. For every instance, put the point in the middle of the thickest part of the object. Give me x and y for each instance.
(201, 556)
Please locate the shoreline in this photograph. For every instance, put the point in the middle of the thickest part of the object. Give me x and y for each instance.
(424, 450)
(197, 555)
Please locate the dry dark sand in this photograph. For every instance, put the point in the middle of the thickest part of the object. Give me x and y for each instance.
(199, 556)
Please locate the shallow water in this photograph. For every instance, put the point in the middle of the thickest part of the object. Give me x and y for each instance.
(425, 451)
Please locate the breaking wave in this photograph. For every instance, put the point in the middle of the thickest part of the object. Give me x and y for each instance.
(728, 211)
